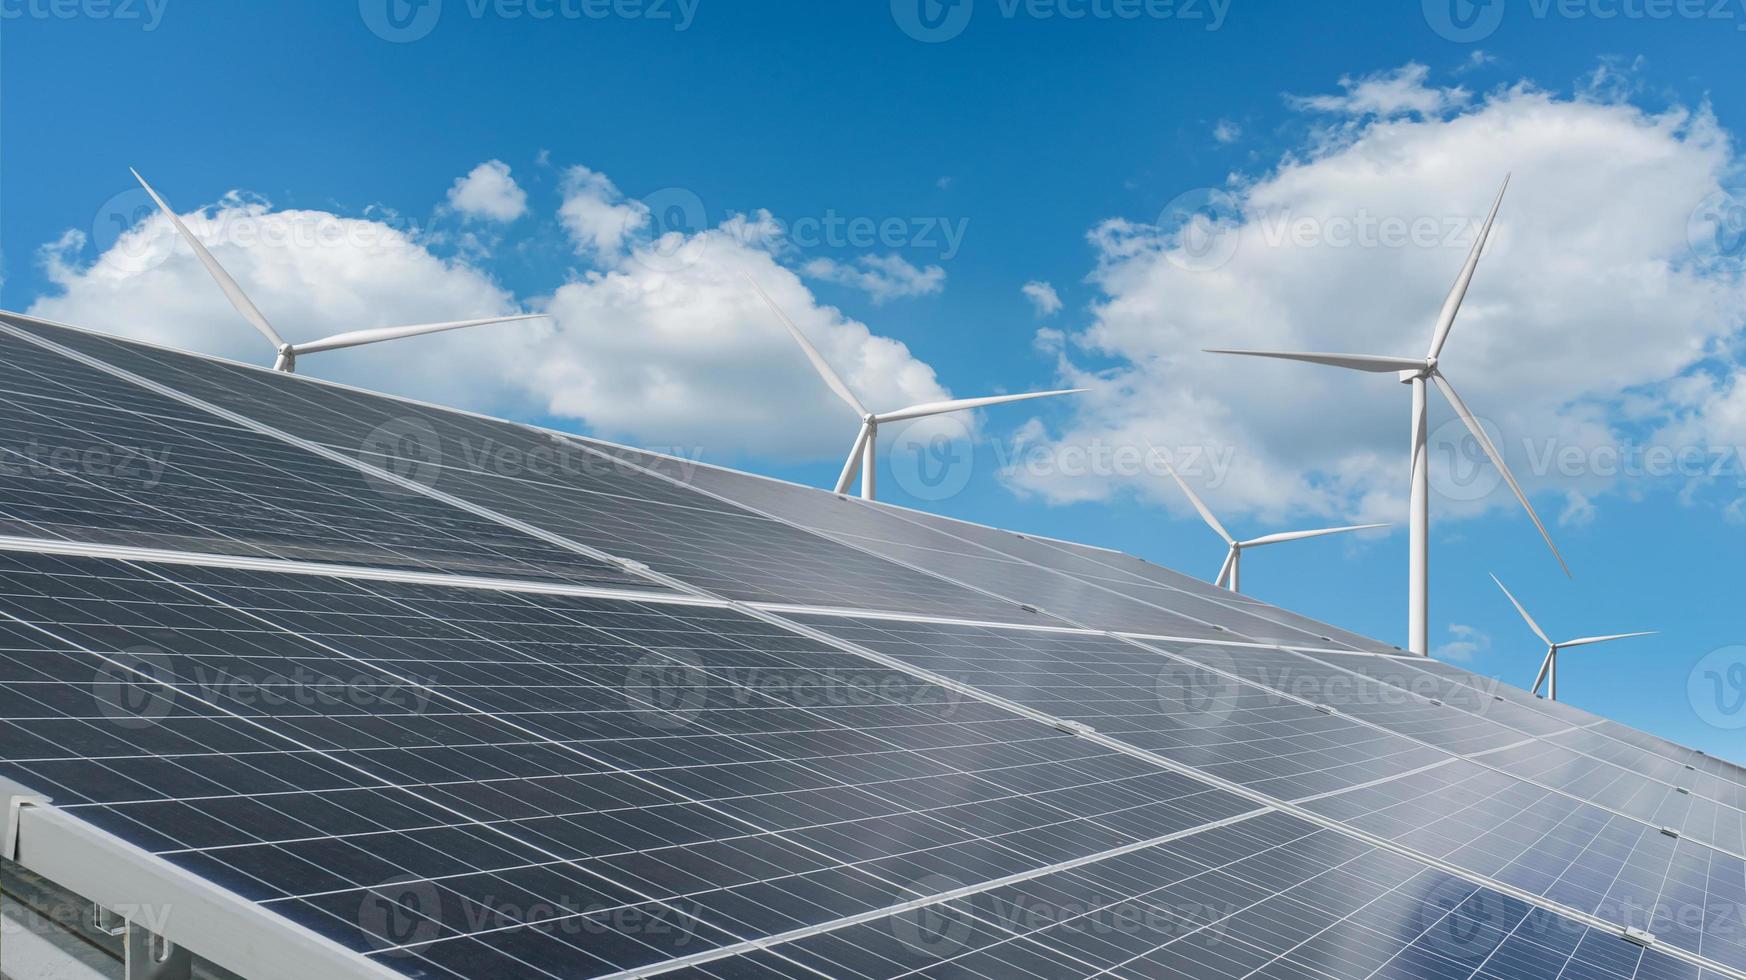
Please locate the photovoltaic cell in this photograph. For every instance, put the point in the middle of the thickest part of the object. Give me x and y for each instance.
(1184, 712)
(482, 754)
(88, 457)
(554, 484)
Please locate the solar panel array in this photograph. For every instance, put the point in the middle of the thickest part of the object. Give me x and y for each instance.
(467, 698)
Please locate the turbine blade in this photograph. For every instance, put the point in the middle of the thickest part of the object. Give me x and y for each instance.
(854, 460)
(1452, 304)
(1206, 513)
(819, 364)
(1300, 535)
(1497, 460)
(355, 338)
(1545, 665)
(963, 404)
(1585, 641)
(1531, 624)
(232, 291)
(1224, 579)
(1373, 363)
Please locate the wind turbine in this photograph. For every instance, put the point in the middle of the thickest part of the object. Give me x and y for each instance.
(1230, 571)
(1419, 373)
(287, 352)
(1549, 667)
(862, 454)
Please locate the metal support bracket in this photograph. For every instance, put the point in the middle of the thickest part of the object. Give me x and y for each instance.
(13, 798)
(1641, 937)
(150, 956)
(1074, 727)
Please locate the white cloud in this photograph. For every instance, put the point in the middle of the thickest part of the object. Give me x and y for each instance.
(664, 344)
(1043, 297)
(1588, 292)
(1464, 643)
(599, 218)
(1227, 131)
(488, 191)
(1388, 94)
(883, 277)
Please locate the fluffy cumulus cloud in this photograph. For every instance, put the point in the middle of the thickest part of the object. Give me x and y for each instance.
(598, 217)
(1043, 297)
(881, 277)
(1596, 317)
(1464, 643)
(489, 192)
(658, 340)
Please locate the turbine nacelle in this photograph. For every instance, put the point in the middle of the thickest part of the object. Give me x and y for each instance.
(863, 454)
(1548, 674)
(1422, 374)
(284, 352)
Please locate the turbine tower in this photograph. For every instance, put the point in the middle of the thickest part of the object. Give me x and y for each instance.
(1230, 572)
(1549, 667)
(863, 454)
(286, 353)
(1419, 373)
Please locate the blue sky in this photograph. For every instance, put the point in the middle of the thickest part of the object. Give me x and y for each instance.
(1015, 145)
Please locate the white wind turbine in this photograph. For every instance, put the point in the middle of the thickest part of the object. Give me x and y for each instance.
(863, 454)
(1230, 571)
(287, 352)
(1549, 667)
(1419, 372)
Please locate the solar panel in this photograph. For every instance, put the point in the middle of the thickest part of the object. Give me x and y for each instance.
(563, 709)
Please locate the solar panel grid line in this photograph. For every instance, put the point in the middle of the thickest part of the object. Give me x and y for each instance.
(923, 901)
(284, 566)
(147, 677)
(1454, 870)
(727, 555)
(1542, 705)
(908, 518)
(1478, 757)
(1531, 740)
(116, 875)
(1012, 935)
(1467, 874)
(210, 472)
(217, 599)
(405, 483)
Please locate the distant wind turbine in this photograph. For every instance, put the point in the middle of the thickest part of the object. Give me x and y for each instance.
(862, 455)
(1549, 667)
(287, 352)
(1230, 571)
(1417, 372)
